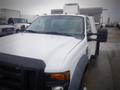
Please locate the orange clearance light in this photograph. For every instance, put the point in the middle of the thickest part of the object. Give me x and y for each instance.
(61, 76)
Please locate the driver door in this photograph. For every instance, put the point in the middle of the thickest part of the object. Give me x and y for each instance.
(91, 44)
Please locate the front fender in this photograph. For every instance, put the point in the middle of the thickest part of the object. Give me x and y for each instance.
(78, 73)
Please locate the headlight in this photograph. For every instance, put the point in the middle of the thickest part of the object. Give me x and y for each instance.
(58, 81)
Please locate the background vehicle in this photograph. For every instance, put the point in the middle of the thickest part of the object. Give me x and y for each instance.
(13, 17)
(19, 23)
(6, 29)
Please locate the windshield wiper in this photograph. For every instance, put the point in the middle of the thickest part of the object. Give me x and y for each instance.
(55, 33)
(58, 33)
(31, 31)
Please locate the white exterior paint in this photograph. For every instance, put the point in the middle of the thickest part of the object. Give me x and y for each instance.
(60, 53)
(92, 44)
(6, 26)
(51, 49)
(18, 25)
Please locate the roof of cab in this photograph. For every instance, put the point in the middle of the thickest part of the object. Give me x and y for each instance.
(65, 15)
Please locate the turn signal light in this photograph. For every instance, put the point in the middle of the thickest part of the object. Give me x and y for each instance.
(61, 76)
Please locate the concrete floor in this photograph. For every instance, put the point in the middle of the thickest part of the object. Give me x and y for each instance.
(104, 72)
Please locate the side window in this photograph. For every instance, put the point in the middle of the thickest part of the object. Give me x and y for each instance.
(10, 21)
(88, 26)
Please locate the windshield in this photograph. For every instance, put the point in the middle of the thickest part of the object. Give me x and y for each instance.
(58, 24)
(20, 20)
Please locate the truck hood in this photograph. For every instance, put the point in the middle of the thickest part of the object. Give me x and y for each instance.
(52, 49)
(6, 26)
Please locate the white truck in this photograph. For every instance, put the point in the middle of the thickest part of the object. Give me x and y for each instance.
(13, 17)
(18, 23)
(51, 54)
(6, 29)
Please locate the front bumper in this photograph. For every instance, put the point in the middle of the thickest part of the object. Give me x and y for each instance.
(7, 31)
(21, 73)
(52, 84)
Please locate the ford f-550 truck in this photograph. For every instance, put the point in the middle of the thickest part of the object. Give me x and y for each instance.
(51, 54)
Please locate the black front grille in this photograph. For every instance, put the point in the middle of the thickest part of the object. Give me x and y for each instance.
(10, 77)
(19, 77)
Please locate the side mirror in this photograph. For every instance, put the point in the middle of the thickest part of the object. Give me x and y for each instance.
(89, 34)
(102, 35)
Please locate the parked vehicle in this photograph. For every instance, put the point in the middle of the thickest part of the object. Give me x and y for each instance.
(6, 29)
(53, 53)
(19, 23)
(13, 17)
